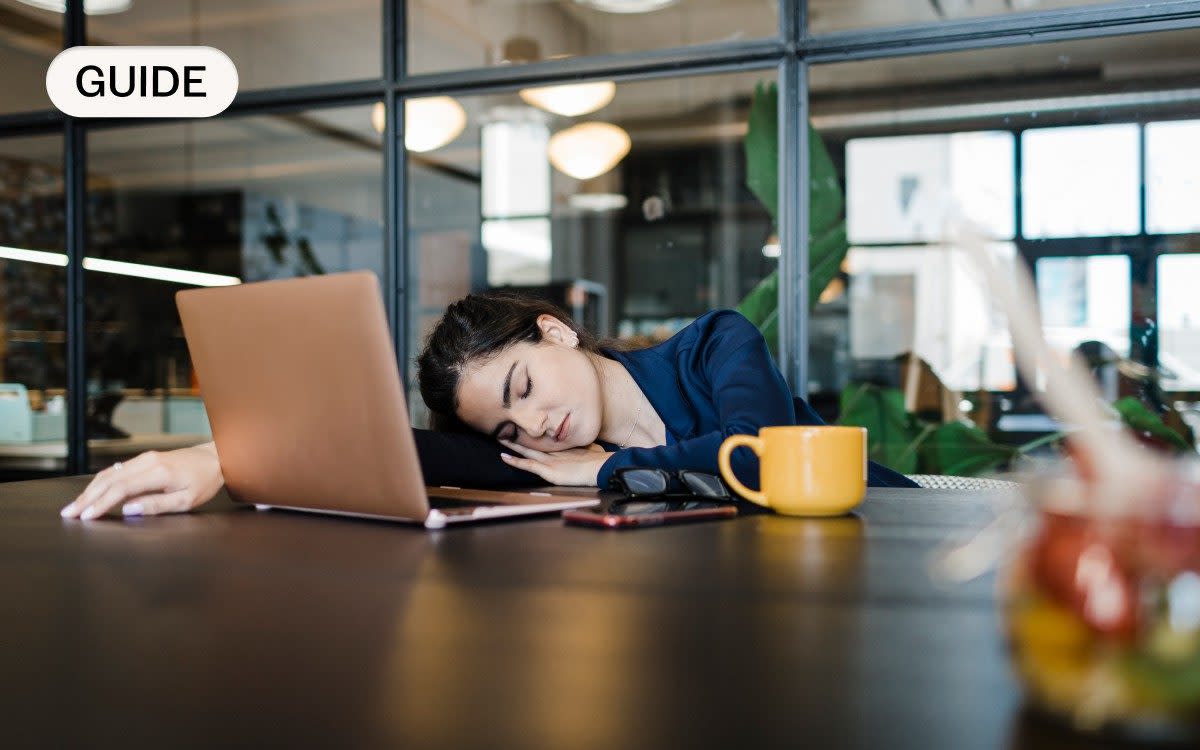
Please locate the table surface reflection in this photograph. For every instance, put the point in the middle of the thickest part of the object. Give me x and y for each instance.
(231, 626)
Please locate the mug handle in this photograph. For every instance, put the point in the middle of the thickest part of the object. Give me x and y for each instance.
(734, 441)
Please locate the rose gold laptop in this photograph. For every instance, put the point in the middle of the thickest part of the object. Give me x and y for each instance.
(307, 409)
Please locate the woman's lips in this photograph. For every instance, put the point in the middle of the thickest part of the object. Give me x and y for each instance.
(562, 428)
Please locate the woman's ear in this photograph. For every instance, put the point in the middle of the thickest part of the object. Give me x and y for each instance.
(555, 330)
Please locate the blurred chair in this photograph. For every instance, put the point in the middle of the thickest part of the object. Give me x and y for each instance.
(941, 482)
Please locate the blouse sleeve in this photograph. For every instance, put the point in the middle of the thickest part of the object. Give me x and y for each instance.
(467, 460)
(748, 392)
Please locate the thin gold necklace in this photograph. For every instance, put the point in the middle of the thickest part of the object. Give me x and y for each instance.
(637, 415)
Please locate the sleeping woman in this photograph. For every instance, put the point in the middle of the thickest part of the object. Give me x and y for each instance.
(522, 395)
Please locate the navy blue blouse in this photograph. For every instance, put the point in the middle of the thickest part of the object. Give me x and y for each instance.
(713, 379)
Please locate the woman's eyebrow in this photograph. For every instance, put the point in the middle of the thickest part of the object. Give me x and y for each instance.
(505, 398)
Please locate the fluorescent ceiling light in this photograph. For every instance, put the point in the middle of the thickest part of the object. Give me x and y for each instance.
(572, 99)
(141, 270)
(195, 278)
(589, 149)
(33, 256)
(597, 201)
(90, 7)
(626, 6)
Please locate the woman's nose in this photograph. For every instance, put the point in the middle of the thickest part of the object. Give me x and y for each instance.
(532, 422)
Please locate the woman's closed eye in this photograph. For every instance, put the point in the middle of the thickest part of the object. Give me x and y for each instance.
(512, 436)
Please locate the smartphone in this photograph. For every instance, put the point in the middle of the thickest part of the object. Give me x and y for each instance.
(632, 514)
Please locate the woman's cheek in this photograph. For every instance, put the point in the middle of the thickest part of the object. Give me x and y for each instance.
(541, 444)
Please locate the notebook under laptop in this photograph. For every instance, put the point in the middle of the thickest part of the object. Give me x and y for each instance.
(307, 409)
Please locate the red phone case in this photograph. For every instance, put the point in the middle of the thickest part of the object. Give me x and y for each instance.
(618, 521)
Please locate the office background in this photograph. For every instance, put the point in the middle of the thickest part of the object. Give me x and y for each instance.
(594, 150)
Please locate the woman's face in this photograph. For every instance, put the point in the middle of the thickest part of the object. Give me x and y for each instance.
(544, 396)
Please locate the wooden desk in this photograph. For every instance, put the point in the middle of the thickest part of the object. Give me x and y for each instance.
(275, 629)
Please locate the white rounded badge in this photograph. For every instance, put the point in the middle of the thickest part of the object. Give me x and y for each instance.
(142, 81)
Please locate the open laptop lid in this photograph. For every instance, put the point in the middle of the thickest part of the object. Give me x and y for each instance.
(300, 383)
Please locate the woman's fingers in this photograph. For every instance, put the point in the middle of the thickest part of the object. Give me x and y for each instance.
(519, 462)
(528, 464)
(151, 483)
(120, 485)
(530, 460)
(160, 502)
(84, 498)
(100, 483)
(518, 448)
(126, 487)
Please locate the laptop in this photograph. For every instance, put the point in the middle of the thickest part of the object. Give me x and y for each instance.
(307, 408)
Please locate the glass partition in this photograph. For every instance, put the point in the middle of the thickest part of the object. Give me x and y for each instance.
(33, 352)
(1072, 158)
(1179, 320)
(636, 218)
(212, 203)
(1172, 177)
(1067, 191)
(30, 37)
(1085, 299)
(483, 33)
(272, 42)
(839, 15)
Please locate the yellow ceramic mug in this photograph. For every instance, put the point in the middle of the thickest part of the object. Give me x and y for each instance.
(803, 470)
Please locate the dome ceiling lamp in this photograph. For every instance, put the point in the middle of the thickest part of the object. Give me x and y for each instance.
(589, 149)
(626, 7)
(429, 122)
(568, 99)
(571, 99)
(90, 7)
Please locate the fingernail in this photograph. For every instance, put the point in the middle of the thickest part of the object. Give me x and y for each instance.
(65, 512)
(133, 509)
(90, 513)
(505, 455)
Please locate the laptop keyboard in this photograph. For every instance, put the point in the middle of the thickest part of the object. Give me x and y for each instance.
(454, 503)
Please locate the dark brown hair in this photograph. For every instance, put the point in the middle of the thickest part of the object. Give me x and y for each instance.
(472, 331)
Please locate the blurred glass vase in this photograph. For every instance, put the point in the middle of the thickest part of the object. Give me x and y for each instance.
(1102, 612)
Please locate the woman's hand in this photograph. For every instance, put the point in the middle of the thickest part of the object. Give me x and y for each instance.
(152, 483)
(574, 466)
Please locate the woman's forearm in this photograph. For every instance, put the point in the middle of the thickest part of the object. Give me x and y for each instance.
(466, 460)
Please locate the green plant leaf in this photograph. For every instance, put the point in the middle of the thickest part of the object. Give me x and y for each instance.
(962, 449)
(825, 254)
(762, 147)
(827, 242)
(761, 303)
(890, 429)
(826, 201)
(1140, 418)
(761, 307)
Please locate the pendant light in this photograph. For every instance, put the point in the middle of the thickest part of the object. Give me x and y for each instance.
(571, 99)
(589, 149)
(90, 7)
(429, 122)
(626, 6)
